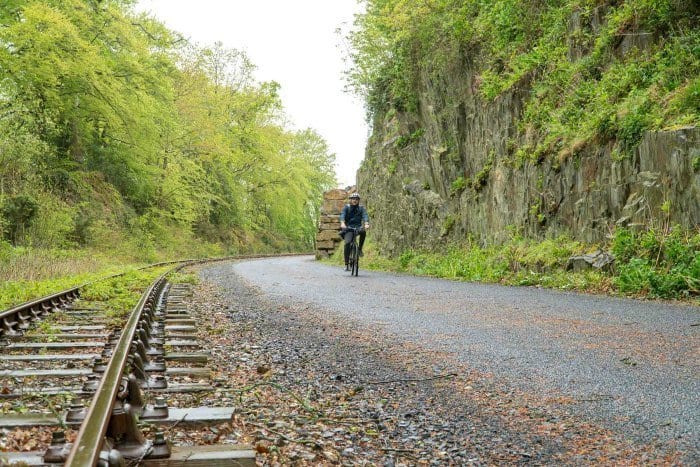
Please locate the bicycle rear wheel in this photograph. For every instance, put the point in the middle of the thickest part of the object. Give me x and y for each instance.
(354, 253)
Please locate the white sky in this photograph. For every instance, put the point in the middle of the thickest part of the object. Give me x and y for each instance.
(293, 42)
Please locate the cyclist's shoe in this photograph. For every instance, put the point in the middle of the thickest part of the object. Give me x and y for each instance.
(359, 252)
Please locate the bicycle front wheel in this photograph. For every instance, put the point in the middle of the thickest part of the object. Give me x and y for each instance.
(356, 260)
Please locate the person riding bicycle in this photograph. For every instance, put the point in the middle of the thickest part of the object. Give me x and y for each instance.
(355, 216)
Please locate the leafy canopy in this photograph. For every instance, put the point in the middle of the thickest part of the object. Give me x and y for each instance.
(123, 129)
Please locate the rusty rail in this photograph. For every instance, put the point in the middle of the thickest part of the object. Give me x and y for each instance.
(90, 440)
(109, 431)
(14, 320)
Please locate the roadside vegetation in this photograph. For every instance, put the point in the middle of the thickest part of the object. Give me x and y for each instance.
(116, 297)
(649, 264)
(599, 72)
(31, 273)
(123, 144)
(120, 139)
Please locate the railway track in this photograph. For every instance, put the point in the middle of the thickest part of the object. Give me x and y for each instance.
(89, 387)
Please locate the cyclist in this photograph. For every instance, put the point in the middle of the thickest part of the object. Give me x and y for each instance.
(355, 216)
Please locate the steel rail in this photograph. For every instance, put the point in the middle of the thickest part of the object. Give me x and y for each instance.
(39, 301)
(93, 437)
(13, 319)
(28, 305)
(87, 446)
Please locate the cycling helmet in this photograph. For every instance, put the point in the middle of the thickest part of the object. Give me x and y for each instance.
(355, 196)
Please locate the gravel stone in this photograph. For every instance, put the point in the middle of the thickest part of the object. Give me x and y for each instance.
(385, 369)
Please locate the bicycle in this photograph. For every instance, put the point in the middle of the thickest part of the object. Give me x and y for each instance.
(354, 256)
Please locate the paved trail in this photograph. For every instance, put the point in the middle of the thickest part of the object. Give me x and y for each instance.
(632, 366)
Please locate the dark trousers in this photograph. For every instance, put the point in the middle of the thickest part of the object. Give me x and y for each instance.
(347, 236)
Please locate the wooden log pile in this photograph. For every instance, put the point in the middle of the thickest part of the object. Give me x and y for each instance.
(327, 238)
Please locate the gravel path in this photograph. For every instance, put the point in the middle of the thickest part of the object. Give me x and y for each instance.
(542, 376)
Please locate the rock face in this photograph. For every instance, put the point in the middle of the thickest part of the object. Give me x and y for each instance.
(327, 238)
(447, 173)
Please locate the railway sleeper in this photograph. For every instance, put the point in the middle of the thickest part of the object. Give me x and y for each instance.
(146, 364)
(131, 443)
(48, 357)
(78, 391)
(181, 456)
(156, 414)
(189, 357)
(182, 343)
(54, 345)
(87, 327)
(180, 321)
(58, 336)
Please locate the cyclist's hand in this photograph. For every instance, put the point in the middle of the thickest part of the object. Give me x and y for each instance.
(343, 226)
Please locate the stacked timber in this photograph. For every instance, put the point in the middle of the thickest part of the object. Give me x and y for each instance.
(327, 238)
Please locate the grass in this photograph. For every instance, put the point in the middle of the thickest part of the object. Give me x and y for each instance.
(183, 278)
(26, 264)
(656, 263)
(119, 295)
(27, 274)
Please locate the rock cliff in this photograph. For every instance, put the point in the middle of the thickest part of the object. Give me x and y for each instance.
(448, 171)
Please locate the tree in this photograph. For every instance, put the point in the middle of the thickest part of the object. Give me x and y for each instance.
(110, 113)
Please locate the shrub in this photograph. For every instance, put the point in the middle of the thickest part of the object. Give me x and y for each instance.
(655, 262)
(660, 263)
(623, 245)
(19, 212)
(458, 185)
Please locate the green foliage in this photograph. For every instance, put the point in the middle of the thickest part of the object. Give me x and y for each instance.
(468, 263)
(118, 296)
(475, 263)
(458, 185)
(404, 141)
(183, 278)
(536, 213)
(657, 263)
(137, 143)
(18, 212)
(26, 274)
(647, 263)
(480, 178)
(543, 256)
(121, 285)
(56, 223)
(447, 225)
(590, 81)
(46, 329)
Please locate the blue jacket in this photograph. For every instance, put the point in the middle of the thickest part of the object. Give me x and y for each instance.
(354, 216)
